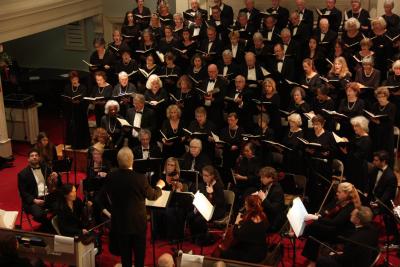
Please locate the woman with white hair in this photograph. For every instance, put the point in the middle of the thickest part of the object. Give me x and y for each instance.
(110, 123)
(123, 92)
(392, 20)
(156, 97)
(382, 128)
(381, 44)
(352, 36)
(357, 153)
(293, 159)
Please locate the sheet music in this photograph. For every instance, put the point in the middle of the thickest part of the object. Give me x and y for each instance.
(189, 260)
(296, 216)
(8, 218)
(63, 244)
(204, 206)
(160, 202)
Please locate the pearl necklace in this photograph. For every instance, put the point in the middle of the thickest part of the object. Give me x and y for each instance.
(348, 105)
(100, 91)
(382, 109)
(72, 88)
(234, 135)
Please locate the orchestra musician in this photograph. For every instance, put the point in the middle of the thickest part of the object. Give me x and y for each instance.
(37, 185)
(328, 225)
(354, 253)
(47, 150)
(213, 188)
(249, 233)
(272, 198)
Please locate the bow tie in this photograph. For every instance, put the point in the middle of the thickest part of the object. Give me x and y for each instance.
(35, 168)
(295, 27)
(380, 170)
(197, 27)
(139, 112)
(211, 81)
(250, 68)
(238, 92)
(279, 60)
(145, 149)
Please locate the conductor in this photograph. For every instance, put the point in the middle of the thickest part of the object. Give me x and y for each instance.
(128, 191)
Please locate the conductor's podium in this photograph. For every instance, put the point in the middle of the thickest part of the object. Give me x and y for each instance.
(52, 248)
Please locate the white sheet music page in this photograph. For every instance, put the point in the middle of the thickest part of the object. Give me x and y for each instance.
(203, 205)
(296, 216)
(189, 260)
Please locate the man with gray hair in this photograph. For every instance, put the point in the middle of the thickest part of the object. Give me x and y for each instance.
(361, 248)
(326, 37)
(166, 260)
(123, 92)
(140, 116)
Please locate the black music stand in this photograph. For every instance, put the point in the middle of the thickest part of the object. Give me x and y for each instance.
(190, 177)
(63, 165)
(146, 166)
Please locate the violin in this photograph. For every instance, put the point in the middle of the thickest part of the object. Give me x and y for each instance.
(331, 213)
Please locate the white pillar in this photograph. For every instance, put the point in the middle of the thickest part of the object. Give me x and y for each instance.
(5, 142)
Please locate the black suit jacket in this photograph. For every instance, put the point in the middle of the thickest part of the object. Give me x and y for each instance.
(308, 18)
(148, 118)
(282, 16)
(254, 18)
(227, 15)
(334, 18)
(274, 206)
(27, 185)
(215, 49)
(329, 40)
(128, 191)
(154, 151)
(385, 190)
(302, 34)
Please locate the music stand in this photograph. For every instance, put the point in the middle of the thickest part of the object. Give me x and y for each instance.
(190, 177)
(146, 166)
(63, 165)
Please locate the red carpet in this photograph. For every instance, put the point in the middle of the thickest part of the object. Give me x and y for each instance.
(9, 200)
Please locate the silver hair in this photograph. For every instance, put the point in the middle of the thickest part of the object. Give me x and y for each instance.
(360, 121)
(122, 75)
(396, 64)
(196, 141)
(111, 103)
(227, 52)
(151, 79)
(295, 117)
(144, 132)
(350, 22)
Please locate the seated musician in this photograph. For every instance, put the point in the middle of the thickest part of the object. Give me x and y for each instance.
(213, 188)
(70, 211)
(353, 254)
(170, 222)
(47, 149)
(249, 233)
(97, 171)
(272, 198)
(37, 184)
(334, 222)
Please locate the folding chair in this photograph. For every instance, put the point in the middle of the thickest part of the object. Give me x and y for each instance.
(229, 201)
(54, 222)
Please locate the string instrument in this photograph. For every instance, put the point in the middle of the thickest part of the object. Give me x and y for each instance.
(228, 240)
(331, 213)
(172, 179)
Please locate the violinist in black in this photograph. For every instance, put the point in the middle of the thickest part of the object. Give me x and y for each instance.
(75, 110)
(333, 222)
(213, 189)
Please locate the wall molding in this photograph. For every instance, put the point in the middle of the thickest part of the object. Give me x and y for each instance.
(19, 18)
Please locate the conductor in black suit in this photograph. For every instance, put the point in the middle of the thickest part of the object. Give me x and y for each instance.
(128, 191)
(36, 182)
(382, 190)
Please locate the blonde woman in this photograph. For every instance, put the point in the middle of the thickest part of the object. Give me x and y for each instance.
(339, 71)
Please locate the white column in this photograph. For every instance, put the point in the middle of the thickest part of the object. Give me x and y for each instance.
(5, 142)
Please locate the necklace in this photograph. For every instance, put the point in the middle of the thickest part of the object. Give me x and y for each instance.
(72, 88)
(234, 135)
(290, 134)
(100, 90)
(383, 108)
(368, 75)
(348, 105)
(109, 126)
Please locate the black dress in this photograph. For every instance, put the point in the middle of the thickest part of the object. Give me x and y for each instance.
(382, 134)
(70, 221)
(351, 110)
(273, 112)
(76, 117)
(293, 160)
(99, 63)
(356, 162)
(251, 243)
(160, 108)
(114, 130)
(177, 148)
(394, 80)
(187, 102)
(105, 92)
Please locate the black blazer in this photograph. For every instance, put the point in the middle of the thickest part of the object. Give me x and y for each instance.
(154, 151)
(308, 18)
(128, 191)
(282, 16)
(148, 118)
(227, 15)
(27, 183)
(254, 18)
(274, 206)
(70, 221)
(334, 18)
(385, 190)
